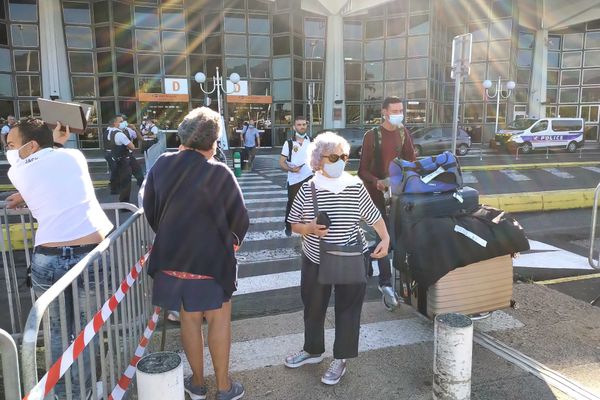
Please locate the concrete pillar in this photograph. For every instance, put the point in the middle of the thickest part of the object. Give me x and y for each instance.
(160, 376)
(539, 74)
(55, 66)
(452, 357)
(334, 107)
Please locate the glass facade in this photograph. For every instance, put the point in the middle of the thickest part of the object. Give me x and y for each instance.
(119, 53)
(20, 69)
(574, 75)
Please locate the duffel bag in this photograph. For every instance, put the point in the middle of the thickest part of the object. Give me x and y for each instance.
(428, 175)
(436, 246)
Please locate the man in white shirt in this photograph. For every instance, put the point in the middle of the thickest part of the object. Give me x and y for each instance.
(10, 122)
(56, 186)
(120, 145)
(294, 160)
(149, 133)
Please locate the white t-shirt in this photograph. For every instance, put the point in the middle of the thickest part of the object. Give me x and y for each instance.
(299, 156)
(120, 137)
(5, 130)
(56, 185)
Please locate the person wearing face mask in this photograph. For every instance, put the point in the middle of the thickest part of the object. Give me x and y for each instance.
(10, 122)
(380, 146)
(294, 160)
(250, 138)
(56, 186)
(346, 202)
(120, 146)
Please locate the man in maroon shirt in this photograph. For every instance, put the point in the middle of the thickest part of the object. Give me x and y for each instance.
(394, 141)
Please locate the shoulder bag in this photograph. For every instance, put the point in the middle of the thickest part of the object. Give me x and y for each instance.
(340, 265)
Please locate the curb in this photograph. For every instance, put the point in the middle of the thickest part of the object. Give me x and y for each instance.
(528, 166)
(541, 201)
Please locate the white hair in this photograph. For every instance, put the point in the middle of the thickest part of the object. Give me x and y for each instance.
(326, 142)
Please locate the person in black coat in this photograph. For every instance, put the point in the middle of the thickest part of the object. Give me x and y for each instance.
(195, 206)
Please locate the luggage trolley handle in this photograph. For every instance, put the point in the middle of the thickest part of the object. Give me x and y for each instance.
(594, 263)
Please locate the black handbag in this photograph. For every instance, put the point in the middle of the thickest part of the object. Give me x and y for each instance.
(340, 265)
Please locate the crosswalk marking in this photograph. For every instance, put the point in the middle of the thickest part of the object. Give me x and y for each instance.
(253, 236)
(515, 175)
(264, 192)
(373, 336)
(468, 177)
(270, 174)
(267, 255)
(265, 210)
(256, 185)
(272, 200)
(593, 169)
(559, 173)
(267, 220)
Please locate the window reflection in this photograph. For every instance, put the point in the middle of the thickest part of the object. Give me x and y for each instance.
(24, 35)
(281, 68)
(83, 86)
(234, 23)
(374, 50)
(146, 17)
(259, 46)
(418, 46)
(258, 24)
(417, 68)
(81, 62)
(174, 41)
(5, 85)
(76, 13)
(172, 19)
(395, 69)
(148, 64)
(237, 65)
(260, 68)
(374, 71)
(282, 90)
(395, 48)
(23, 10)
(419, 24)
(25, 60)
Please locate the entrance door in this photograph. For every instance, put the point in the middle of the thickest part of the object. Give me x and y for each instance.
(167, 116)
(520, 111)
(238, 113)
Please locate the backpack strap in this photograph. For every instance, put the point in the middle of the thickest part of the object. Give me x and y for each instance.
(290, 144)
(377, 158)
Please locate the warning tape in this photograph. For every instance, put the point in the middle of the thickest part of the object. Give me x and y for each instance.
(123, 384)
(60, 367)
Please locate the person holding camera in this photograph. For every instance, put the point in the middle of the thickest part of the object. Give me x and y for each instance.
(327, 211)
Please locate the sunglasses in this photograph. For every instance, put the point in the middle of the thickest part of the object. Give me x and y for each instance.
(335, 157)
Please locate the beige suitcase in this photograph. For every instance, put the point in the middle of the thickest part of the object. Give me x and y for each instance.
(476, 288)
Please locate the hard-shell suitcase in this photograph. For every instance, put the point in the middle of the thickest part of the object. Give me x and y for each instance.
(476, 288)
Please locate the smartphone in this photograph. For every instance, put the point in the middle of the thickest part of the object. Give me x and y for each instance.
(323, 219)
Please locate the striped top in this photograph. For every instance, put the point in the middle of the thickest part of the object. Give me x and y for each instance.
(345, 209)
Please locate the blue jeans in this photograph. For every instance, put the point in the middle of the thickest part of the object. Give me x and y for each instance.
(45, 271)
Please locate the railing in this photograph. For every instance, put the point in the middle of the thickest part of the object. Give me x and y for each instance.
(594, 263)
(154, 151)
(102, 273)
(10, 366)
(18, 228)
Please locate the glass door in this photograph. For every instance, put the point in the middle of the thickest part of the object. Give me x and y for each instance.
(239, 113)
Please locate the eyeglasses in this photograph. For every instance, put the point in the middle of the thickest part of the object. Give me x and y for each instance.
(335, 157)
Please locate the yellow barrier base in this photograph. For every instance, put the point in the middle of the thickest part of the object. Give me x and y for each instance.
(18, 233)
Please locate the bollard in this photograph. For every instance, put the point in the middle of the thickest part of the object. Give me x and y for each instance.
(160, 376)
(452, 357)
(237, 164)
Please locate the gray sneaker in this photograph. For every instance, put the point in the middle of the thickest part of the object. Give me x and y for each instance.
(302, 357)
(195, 392)
(334, 373)
(389, 297)
(236, 392)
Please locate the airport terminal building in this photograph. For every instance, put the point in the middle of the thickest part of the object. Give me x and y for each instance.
(139, 57)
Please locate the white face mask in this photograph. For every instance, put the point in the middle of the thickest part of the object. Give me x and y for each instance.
(301, 135)
(334, 170)
(13, 157)
(396, 119)
(123, 125)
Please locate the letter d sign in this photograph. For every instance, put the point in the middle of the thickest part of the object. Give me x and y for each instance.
(176, 86)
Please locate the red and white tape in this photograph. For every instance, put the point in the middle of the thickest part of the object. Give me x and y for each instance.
(61, 366)
(123, 384)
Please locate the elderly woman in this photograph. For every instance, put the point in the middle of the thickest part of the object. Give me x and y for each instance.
(346, 202)
(195, 206)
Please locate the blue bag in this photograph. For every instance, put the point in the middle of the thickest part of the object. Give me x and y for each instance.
(428, 175)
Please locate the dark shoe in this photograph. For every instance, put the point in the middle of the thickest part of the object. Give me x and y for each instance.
(234, 393)
(195, 392)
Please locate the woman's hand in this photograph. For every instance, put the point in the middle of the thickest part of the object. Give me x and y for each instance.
(382, 249)
(311, 228)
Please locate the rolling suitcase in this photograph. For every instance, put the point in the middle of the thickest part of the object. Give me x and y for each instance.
(476, 288)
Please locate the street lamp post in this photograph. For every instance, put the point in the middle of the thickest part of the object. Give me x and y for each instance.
(200, 77)
(311, 89)
(499, 93)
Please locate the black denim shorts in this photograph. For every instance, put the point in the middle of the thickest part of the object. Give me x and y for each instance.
(171, 293)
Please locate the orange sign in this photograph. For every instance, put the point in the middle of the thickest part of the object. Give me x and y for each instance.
(250, 99)
(163, 98)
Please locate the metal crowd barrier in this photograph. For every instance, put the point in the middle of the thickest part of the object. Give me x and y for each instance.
(97, 277)
(18, 227)
(10, 366)
(154, 151)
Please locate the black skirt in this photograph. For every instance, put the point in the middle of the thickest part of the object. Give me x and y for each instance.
(172, 293)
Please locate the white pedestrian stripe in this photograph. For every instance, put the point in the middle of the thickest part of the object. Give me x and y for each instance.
(257, 185)
(267, 255)
(373, 336)
(265, 283)
(514, 175)
(557, 172)
(266, 235)
(264, 192)
(272, 200)
(468, 177)
(282, 173)
(593, 169)
(247, 179)
(267, 220)
(546, 256)
(266, 209)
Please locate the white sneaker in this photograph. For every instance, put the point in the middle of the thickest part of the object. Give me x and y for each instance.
(302, 357)
(334, 373)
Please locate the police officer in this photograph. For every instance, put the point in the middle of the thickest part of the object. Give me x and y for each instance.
(120, 146)
(149, 133)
